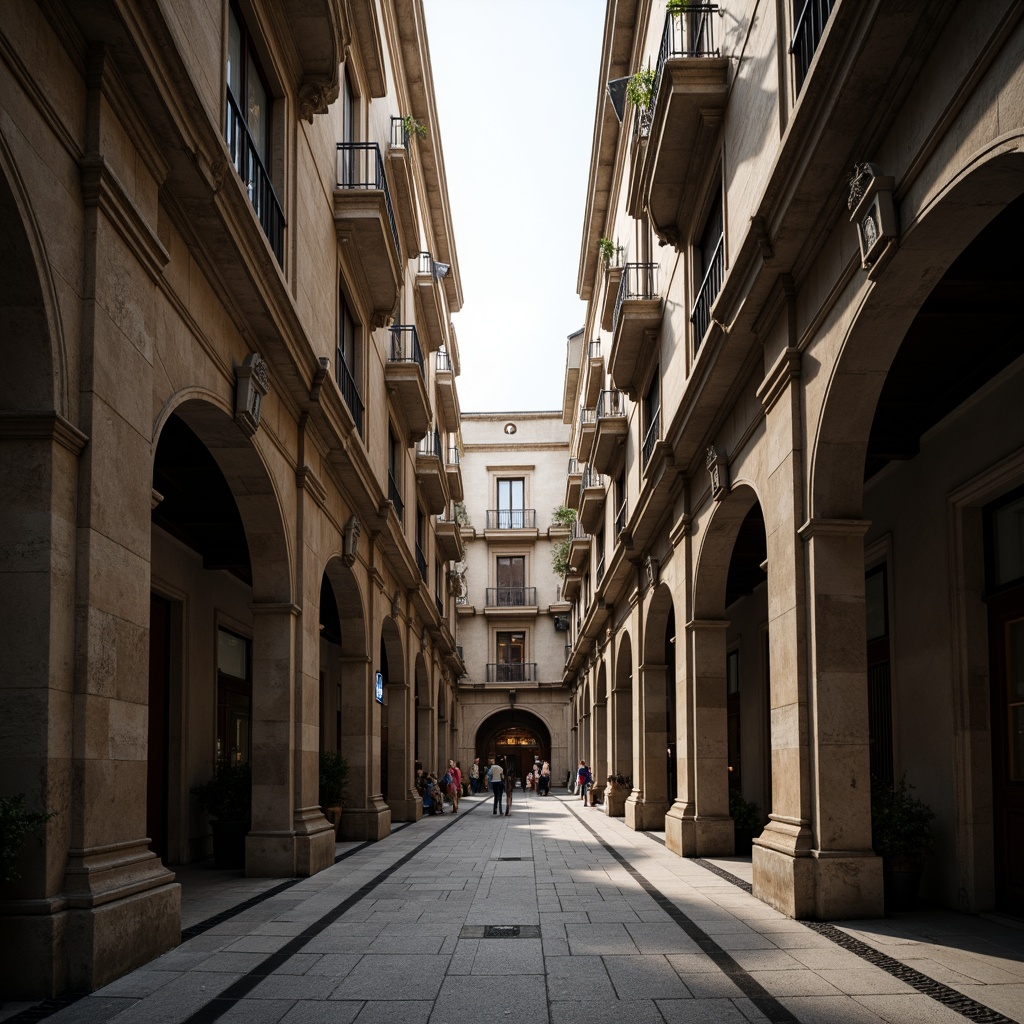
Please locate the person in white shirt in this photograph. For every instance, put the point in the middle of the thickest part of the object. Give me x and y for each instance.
(496, 777)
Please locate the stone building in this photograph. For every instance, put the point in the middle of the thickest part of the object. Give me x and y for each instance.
(797, 420)
(512, 702)
(229, 431)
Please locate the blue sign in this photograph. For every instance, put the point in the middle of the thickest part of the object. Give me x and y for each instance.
(378, 688)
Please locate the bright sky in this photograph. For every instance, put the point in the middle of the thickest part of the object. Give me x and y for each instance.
(516, 89)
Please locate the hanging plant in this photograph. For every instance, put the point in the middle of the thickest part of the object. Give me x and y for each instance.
(640, 88)
(560, 557)
(414, 127)
(564, 516)
(681, 6)
(606, 249)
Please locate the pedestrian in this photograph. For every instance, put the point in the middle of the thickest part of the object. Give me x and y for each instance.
(545, 778)
(496, 779)
(474, 776)
(510, 785)
(583, 780)
(454, 777)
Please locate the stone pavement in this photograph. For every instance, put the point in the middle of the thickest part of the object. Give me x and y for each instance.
(555, 913)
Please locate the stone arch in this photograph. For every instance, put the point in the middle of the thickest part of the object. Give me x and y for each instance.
(506, 719)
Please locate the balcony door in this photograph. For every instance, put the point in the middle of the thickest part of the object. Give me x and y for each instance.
(511, 581)
(511, 656)
(511, 504)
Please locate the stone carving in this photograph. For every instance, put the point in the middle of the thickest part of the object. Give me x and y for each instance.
(350, 540)
(251, 385)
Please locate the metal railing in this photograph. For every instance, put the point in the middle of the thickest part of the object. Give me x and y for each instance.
(421, 562)
(424, 263)
(360, 166)
(810, 27)
(511, 518)
(611, 403)
(651, 438)
(622, 516)
(574, 467)
(588, 416)
(430, 445)
(511, 672)
(405, 346)
(246, 157)
(349, 392)
(576, 531)
(700, 317)
(454, 455)
(591, 478)
(599, 571)
(638, 281)
(510, 597)
(439, 604)
(444, 361)
(688, 34)
(395, 494)
(594, 349)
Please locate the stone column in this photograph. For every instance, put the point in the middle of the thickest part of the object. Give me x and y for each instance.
(848, 875)
(401, 797)
(368, 817)
(648, 803)
(713, 828)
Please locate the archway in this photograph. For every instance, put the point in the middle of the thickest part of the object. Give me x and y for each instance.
(513, 735)
(918, 442)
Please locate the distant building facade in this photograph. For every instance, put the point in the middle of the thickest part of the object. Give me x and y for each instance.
(800, 454)
(229, 447)
(512, 619)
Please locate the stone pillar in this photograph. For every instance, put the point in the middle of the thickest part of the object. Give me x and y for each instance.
(848, 875)
(402, 797)
(368, 817)
(680, 824)
(648, 803)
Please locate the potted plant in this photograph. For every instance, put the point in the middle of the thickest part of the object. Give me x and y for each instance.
(333, 776)
(413, 127)
(606, 250)
(619, 788)
(746, 820)
(560, 556)
(901, 834)
(227, 798)
(563, 516)
(16, 823)
(640, 88)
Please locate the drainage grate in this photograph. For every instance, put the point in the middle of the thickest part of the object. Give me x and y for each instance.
(513, 858)
(500, 931)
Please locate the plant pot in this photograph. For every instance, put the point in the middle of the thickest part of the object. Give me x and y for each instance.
(229, 844)
(744, 846)
(901, 884)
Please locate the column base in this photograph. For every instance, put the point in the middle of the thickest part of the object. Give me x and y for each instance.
(642, 816)
(714, 836)
(362, 823)
(408, 807)
(314, 842)
(680, 830)
(615, 801)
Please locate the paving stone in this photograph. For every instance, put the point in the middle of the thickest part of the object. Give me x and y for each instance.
(645, 977)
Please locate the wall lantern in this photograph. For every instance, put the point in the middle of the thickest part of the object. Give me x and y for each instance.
(872, 212)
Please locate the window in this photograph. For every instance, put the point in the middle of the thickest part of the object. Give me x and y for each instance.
(511, 504)
(511, 578)
(395, 472)
(248, 129)
(421, 543)
(621, 507)
(511, 657)
(711, 266)
(651, 417)
(345, 363)
(809, 19)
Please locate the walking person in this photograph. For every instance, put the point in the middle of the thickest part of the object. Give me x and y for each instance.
(474, 776)
(454, 777)
(583, 780)
(496, 778)
(510, 785)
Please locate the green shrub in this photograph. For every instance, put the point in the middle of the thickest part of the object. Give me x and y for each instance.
(16, 822)
(228, 795)
(333, 777)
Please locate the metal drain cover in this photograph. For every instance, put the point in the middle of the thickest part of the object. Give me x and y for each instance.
(500, 931)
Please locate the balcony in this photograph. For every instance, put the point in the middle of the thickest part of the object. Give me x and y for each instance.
(591, 500)
(700, 315)
(246, 159)
(810, 27)
(365, 222)
(690, 92)
(621, 517)
(512, 672)
(635, 325)
(612, 277)
(571, 586)
(350, 393)
(447, 397)
(430, 473)
(595, 373)
(449, 539)
(431, 304)
(579, 548)
(453, 470)
(610, 435)
(395, 495)
(573, 480)
(421, 562)
(403, 376)
(400, 174)
(511, 519)
(510, 597)
(651, 439)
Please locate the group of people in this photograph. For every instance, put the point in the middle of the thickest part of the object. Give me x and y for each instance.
(434, 791)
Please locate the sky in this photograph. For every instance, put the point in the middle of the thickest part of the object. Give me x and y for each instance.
(516, 90)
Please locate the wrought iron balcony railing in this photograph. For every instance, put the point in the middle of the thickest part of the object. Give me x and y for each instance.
(622, 516)
(700, 316)
(454, 455)
(444, 361)
(360, 166)
(651, 438)
(588, 417)
(810, 27)
(349, 392)
(511, 519)
(395, 495)
(421, 562)
(574, 467)
(511, 672)
(246, 157)
(424, 263)
(687, 34)
(430, 445)
(611, 403)
(591, 478)
(599, 571)
(439, 605)
(638, 281)
(594, 349)
(510, 597)
(399, 132)
(405, 346)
